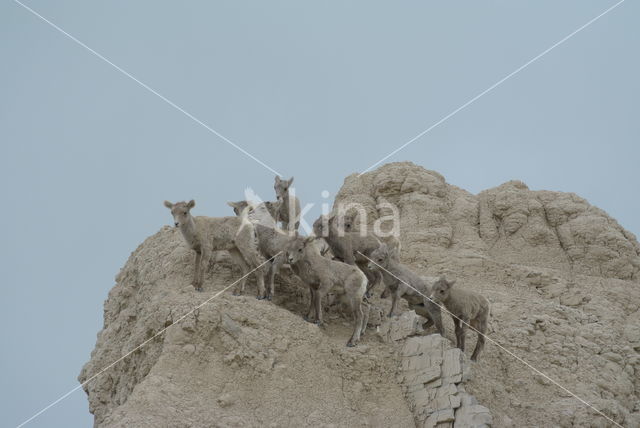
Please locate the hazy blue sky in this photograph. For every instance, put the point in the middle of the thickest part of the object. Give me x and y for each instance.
(316, 90)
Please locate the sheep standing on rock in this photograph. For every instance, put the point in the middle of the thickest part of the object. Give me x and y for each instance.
(349, 247)
(264, 212)
(467, 308)
(204, 235)
(402, 282)
(321, 275)
(289, 211)
(392, 241)
(272, 240)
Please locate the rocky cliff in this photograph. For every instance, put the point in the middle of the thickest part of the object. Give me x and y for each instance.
(561, 274)
(562, 277)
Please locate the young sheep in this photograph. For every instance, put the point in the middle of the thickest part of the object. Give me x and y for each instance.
(265, 212)
(204, 235)
(394, 244)
(468, 306)
(321, 275)
(349, 247)
(396, 276)
(271, 239)
(289, 211)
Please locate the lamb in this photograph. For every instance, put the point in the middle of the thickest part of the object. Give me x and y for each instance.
(272, 210)
(289, 212)
(321, 275)
(394, 244)
(349, 247)
(207, 234)
(271, 240)
(466, 308)
(404, 283)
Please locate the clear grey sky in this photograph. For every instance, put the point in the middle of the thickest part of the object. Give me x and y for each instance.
(316, 90)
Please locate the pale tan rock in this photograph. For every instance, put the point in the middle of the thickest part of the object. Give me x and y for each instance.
(232, 354)
(400, 327)
(533, 253)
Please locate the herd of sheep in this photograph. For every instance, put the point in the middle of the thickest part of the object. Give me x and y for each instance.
(352, 263)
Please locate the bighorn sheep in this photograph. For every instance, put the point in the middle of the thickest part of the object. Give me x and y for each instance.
(392, 241)
(467, 308)
(264, 212)
(349, 247)
(271, 239)
(403, 282)
(289, 211)
(321, 275)
(207, 234)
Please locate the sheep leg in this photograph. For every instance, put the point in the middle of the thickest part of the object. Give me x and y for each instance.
(356, 309)
(365, 321)
(260, 285)
(374, 280)
(236, 256)
(204, 264)
(197, 283)
(481, 328)
(276, 264)
(245, 243)
(460, 334)
(479, 346)
(310, 315)
(270, 286)
(372, 277)
(435, 315)
(422, 311)
(395, 297)
(456, 325)
(319, 294)
(385, 293)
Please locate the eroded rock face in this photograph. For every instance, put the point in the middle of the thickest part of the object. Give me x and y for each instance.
(235, 362)
(562, 277)
(507, 224)
(559, 229)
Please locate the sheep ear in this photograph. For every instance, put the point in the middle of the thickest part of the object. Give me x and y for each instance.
(191, 204)
(277, 179)
(168, 204)
(232, 204)
(289, 181)
(309, 239)
(450, 283)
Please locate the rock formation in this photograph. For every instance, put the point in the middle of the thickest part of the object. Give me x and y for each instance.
(561, 274)
(562, 277)
(432, 373)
